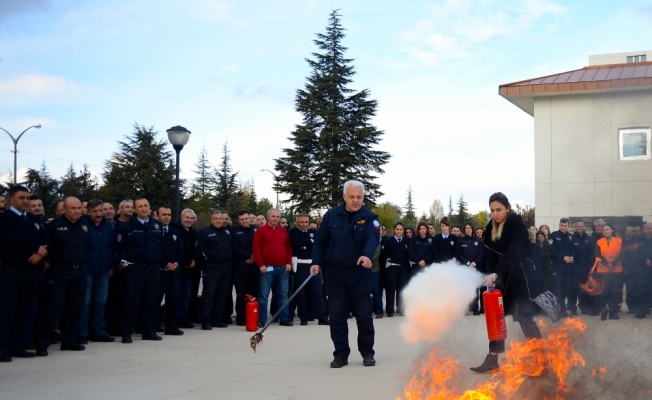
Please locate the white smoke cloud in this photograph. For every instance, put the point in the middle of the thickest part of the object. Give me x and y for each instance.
(435, 299)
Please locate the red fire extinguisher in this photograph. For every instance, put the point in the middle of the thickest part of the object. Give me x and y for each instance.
(495, 314)
(251, 313)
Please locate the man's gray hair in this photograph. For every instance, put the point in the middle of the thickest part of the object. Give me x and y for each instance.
(189, 211)
(354, 183)
(216, 212)
(123, 202)
(599, 221)
(273, 209)
(564, 220)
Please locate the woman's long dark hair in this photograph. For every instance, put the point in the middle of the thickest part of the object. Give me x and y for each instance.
(472, 229)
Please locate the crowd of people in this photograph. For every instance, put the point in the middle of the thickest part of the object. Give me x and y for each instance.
(103, 273)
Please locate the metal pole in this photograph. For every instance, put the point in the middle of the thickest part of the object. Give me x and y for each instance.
(15, 161)
(176, 201)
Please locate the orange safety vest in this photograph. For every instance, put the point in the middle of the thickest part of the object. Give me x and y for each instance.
(609, 253)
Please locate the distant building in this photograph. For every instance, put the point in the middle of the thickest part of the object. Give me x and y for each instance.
(592, 129)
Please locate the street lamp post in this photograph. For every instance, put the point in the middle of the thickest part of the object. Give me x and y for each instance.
(276, 179)
(178, 136)
(15, 140)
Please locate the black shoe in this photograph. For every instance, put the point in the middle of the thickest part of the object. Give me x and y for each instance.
(614, 316)
(603, 314)
(368, 361)
(219, 324)
(261, 324)
(78, 347)
(304, 323)
(238, 323)
(490, 363)
(640, 315)
(41, 353)
(287, 323)
(324, 322)
(176, 332)
(30, 346)
(152, 336)
(82, 340)
(126, 339)
(339, 362)
(103, 338)
(390, 315)
(206, 327)
(5, 359)
(159, 328)
(22, 354)
(185, 324)
(631, 312)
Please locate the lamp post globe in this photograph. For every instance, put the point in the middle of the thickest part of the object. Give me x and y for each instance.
(178, 137)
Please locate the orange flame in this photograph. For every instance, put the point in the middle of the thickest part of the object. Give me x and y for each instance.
(596, 282)
(531, 358)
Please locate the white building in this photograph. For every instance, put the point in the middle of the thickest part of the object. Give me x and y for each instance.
(592, 131)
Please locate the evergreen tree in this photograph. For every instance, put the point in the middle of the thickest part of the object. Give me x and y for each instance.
(335, 141)
(225, 184)
(410, 215)
(423, 217)
(252, 202)
(204, 181)
(263, 206)
(450, 208)
(463, 215)
(82, 185)
(41, 184)
(141, 167)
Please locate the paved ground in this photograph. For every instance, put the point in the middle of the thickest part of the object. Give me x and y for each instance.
(293, 363)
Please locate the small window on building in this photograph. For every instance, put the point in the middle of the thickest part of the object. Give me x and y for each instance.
(634, 143)
(635, 59)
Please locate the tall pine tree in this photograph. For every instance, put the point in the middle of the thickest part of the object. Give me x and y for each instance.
(204, 181)
(225, 184)
(82, 185)
(463, 215)
(335, 141)
(41, 184)
(143, 166)
(410, 214)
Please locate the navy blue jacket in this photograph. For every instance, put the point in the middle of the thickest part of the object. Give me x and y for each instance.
(137, 243)
(243, 243)
(470, 249)
(215, 245)
(69, 241)
(340, 243)
(561, 245)
(101, 255)
(302, 243)
(584, 251)
(421, 249)
(172, 248)
(20, 238)
(444, 249)
(397, 253)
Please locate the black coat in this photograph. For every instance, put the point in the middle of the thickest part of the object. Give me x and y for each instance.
(471, 250)
(421, 249)
(20, 238)
(172, 248)
(397, 253)
(444, 249)
(511, 257)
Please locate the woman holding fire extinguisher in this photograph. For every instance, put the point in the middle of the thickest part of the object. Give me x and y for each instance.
(509, 262)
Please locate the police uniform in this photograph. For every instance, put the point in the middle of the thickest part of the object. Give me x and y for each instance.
(302, 243)
(342, 238)
(246, 274)
(139, 244)
(421, 250)
(397, 272)
(20, 237)
(444, 248)
(169, 281)
(471, 250)
(562, 246)
(215, 245)
(114, 309)
(583, 262)
(67, 250)
(188, 308)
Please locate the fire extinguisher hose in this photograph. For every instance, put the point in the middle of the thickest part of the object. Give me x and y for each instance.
(257, 338)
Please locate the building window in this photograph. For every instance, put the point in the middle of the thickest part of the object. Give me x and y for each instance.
(634, 59)
(634, 143)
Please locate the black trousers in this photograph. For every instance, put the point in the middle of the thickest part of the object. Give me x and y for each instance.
(396, 277)
(588, 303)
(170, 286)
(66, 291)
(350, 290)
(314, 292)
(246, 283)
(18, 286)
(217, 282)
(639, 291)
(563, 278)
(113, 311)
(227, 314)
(526, 311)
(193, 307)
(141, 293)
(612, 294)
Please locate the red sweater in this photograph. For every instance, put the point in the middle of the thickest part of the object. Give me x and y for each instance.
(272, 246)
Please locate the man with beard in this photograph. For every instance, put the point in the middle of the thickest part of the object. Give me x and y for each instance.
(36, 208)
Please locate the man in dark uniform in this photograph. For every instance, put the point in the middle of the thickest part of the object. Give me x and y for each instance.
(69, 243)
(215, 245)
(302, 240)
(246, 269)
(189, 268)
(645, 272)
(227, 314)
(23, 244)
(344, 246)
(444, 244)
(562, 253)
(139, 248)
(630, 257)
(583, 259)
(169, 282)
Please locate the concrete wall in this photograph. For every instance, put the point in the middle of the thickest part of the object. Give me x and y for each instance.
(577, 167)
(617, 58)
